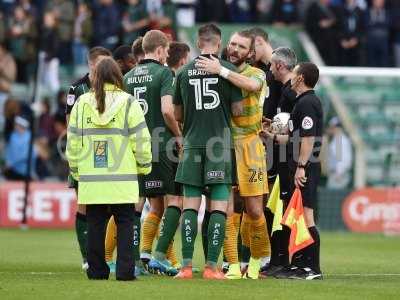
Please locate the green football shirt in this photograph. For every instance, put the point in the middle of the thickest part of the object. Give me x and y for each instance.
(206, 100)
(148, 82)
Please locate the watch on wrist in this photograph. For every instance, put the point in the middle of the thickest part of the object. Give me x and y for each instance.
(302, 166)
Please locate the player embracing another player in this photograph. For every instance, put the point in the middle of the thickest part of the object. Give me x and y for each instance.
(249, 149)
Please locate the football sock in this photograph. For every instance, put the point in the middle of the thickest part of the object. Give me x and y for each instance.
(171, 254)
(111, 239)
(169, 224)
(136, 236)
(230, 243)
(81, 233)
(276, 247)
(204, 233)
(259, 242)
(284, 246)
(269, 217)
(189, 233)
(216, 235)
(150, 228)
(245, 236)
(313, 250)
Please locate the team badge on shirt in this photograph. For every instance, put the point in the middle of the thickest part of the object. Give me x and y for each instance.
(70, 99)
(307, 123)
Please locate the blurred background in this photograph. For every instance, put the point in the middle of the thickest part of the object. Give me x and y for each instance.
(356, 44)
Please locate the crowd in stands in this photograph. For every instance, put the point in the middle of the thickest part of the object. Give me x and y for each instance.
(60, 32)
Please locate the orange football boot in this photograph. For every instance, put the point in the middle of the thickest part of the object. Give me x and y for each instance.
(214, 274)
(185, 273)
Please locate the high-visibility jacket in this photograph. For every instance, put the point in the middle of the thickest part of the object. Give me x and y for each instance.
(107, 151)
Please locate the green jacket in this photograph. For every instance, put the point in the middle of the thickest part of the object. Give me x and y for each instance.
(106, 152)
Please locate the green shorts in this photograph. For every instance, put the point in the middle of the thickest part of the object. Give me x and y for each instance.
(200, 167)
(161, 180)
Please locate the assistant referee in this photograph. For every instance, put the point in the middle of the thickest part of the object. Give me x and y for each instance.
(305, 141)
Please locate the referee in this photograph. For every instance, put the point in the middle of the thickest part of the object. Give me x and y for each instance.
(305, 141)
(283, 61)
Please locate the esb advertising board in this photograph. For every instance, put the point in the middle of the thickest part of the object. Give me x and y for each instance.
(373, 210)
(50, 205)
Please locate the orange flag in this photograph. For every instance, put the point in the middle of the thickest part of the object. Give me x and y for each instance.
(294, 218)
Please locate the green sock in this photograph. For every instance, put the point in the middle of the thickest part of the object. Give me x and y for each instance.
(169, 224)
(245, 254)
(81, 233)
(216, 236)
(189, 233)
(204, 233)
(136, 236)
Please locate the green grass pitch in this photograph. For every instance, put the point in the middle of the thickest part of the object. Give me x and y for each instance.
(45, 264)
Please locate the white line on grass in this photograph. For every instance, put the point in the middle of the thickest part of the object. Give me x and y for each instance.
(328, 275)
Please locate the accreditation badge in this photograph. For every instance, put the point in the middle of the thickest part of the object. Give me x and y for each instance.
(100, 154)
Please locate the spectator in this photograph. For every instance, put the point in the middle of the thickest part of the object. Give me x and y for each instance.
(285, 12)
(17, 150)
(350, 22)
(340, 156)
(29, 8)
(64, 12)
(46, 122)
(49, 48)
(82, 34)
(242, 11)
(319, 22)
(135, 21)
(21, 33)
(378, 26)
(106, 20)
(8, 73)
(163, 16)
(264, 8)
(59, 167)
(11, 109)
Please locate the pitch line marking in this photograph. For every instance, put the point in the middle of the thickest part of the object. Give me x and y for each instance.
(328, 275)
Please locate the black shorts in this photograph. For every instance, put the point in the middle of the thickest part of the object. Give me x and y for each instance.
(161, 180)
(284, 180)
(309, 191)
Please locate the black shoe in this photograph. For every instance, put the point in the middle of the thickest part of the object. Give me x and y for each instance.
(286, 272)
(306, 274)
(270, 270)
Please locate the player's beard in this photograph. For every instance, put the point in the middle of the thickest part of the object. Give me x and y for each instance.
(239, 59)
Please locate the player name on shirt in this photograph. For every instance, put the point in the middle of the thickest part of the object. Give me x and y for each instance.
(195, 72)
(140, 79)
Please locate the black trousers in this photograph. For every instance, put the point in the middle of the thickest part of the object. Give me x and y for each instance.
(97, 216)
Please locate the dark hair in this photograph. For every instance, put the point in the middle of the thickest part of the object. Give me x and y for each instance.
(209, 33)
(105, 71)
(122, 52)
(249, 35)
(259, 32)
(310, 73)
(137, 48)
(98, 51)
(176, 52)
(154, 39)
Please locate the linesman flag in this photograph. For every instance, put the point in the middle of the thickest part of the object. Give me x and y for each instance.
(275, 205)
(294, 218)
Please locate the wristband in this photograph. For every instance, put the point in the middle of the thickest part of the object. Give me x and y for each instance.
(224, 72)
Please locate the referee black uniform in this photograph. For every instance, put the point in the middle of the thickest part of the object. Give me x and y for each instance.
(306, 120)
